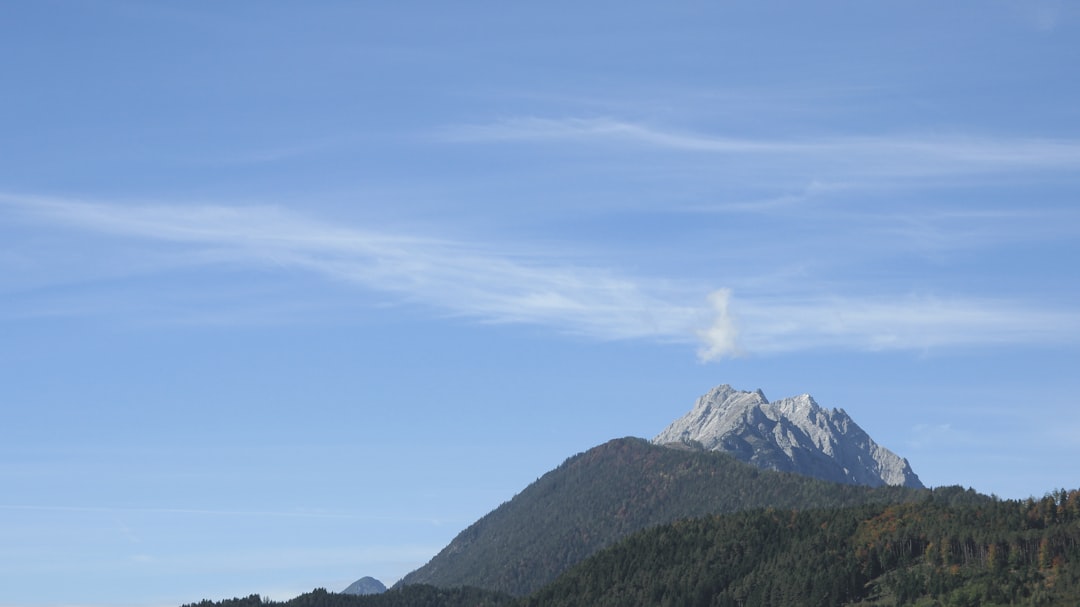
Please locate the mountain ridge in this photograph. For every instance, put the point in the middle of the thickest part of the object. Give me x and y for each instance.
(602, 495)
(793, 434)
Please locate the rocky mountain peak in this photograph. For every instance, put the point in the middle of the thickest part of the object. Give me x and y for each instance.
(793, 434)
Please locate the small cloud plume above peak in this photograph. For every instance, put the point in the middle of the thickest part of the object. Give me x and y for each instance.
(720, 338)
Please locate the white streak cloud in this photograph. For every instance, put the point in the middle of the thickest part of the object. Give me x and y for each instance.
(453, 276)
(900, 323)
(882, 155)
(492, 286)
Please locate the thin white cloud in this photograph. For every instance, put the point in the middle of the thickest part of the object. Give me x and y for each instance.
(601, 129)
(883, 155)
(494, 286)
(776, 203)
(900, 323)
(453, 276)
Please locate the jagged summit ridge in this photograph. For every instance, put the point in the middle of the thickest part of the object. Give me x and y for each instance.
(793, 434)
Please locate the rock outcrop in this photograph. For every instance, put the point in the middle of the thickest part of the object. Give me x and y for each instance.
(790, 435)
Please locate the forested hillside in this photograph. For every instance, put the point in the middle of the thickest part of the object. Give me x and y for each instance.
(929, 553)
(602, 495)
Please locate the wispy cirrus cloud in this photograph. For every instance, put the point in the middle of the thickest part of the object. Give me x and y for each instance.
(910, 322)
(881, 155)
(493, 285)
(601, 129)
(455, 277)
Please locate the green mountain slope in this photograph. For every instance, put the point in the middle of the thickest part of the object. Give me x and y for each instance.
(927, 553)
(603, 495)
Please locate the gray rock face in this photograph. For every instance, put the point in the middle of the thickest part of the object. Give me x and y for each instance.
(791, 435)
(365, 585)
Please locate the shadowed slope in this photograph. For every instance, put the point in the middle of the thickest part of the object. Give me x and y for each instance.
(602, 495)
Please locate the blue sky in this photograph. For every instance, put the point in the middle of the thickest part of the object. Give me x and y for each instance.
(290, 295)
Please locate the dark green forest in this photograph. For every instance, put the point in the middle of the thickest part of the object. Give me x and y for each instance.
(928, 553)
(951, 548)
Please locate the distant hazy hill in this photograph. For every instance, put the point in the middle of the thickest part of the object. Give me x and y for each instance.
(365, 585)
(791, 435)
(411, 596)
(598, 497)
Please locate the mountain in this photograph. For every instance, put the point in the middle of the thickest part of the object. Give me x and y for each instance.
(950, 547)
(600, 496)
(790, 435)
(365, 585)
